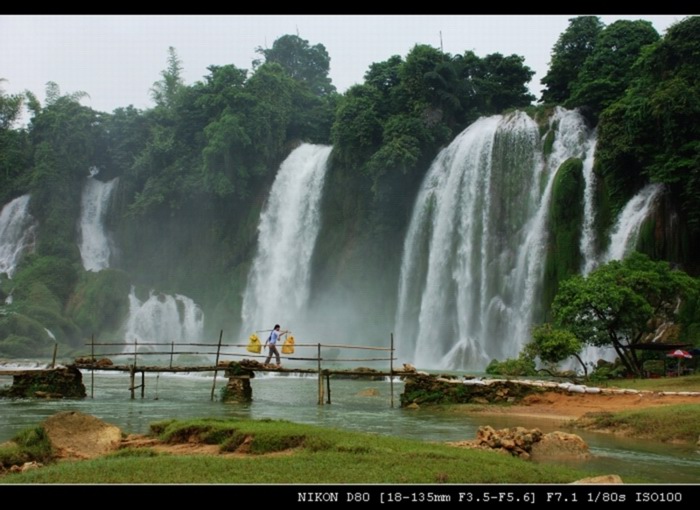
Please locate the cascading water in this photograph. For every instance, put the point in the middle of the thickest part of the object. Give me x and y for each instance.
(278, 283)
(163, 318)
(588, 244)
(623, 237)
(17, 230)
(94, 243)
(472, 264)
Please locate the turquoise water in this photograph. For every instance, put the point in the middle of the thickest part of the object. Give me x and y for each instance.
(294, 398)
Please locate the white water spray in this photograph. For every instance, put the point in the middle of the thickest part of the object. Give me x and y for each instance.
(163, 318)
(278, 283)
(94, 242)
(623, 237)
(17, 233)
(588, 238)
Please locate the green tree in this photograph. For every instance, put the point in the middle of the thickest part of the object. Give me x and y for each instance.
(10, 108)
(615, 304)
(607, 72)
(504, 82)
(652, 133)
(554, 345)
(570, 52)
(302, 62)
(165, 91)
(13, 145)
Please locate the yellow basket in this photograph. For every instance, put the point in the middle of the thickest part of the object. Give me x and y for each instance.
(254, 344)
(288, 346)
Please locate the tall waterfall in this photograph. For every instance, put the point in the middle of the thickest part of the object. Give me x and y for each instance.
(17, 229)
(623, 237)
(588, 244)
(278, 283)
(473, 258)
(163, 318)
(94, 242)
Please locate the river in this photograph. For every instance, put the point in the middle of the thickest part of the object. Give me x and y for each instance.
(294, 398)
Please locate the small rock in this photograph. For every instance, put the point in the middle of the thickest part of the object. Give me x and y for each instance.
(412, 405)
(27, 466)
(604, 479)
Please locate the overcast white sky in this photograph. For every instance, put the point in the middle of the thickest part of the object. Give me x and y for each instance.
(117, 58)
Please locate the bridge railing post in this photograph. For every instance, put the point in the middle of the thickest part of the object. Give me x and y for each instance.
(391, 370)
(320, 378)
(216, 365)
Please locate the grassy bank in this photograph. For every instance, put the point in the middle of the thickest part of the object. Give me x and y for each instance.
(678, 423)
(283, 452)
(684, 383)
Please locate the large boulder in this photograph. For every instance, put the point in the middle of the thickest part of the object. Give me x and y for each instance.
(560, 445)
(81, 436)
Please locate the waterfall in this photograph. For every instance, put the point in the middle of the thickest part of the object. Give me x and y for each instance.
(588, 244)
(17, 228)
(623, 237)
(472, 265)
(163, 318)
(278, 283)
(94, 243)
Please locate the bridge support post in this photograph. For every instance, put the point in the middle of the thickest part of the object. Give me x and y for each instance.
(238, 388)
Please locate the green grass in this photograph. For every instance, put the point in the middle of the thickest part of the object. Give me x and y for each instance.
(663, 423)
(305, 454)
(31, 445)
(684, 383)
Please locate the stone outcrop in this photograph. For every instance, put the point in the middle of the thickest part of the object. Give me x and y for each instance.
(66, 382)
(529, 444)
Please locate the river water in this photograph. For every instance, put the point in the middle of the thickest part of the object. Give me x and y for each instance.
(359, 405)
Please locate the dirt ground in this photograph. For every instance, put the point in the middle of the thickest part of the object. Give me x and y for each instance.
(569, 406)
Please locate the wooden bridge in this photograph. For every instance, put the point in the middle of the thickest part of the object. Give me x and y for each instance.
(239, 373)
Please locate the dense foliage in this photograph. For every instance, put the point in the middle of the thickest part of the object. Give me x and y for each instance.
(651, 133)
(620, 304)
(195, 169)
(569, 54)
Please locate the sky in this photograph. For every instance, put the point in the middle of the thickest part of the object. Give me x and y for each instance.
(116, 59)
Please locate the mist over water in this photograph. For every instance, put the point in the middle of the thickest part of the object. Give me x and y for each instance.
(473, 259)
(278, 283)
(17, 229)
(94, 242)
(163, 318)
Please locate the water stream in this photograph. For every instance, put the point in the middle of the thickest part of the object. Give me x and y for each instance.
(294, 398)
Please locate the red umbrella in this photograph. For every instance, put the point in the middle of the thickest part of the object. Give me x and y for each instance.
(680, 354)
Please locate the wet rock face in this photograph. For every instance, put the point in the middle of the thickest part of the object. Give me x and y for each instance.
(64, 382)
(427, 389)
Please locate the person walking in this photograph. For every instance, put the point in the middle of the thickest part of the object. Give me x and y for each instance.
(271, 344)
